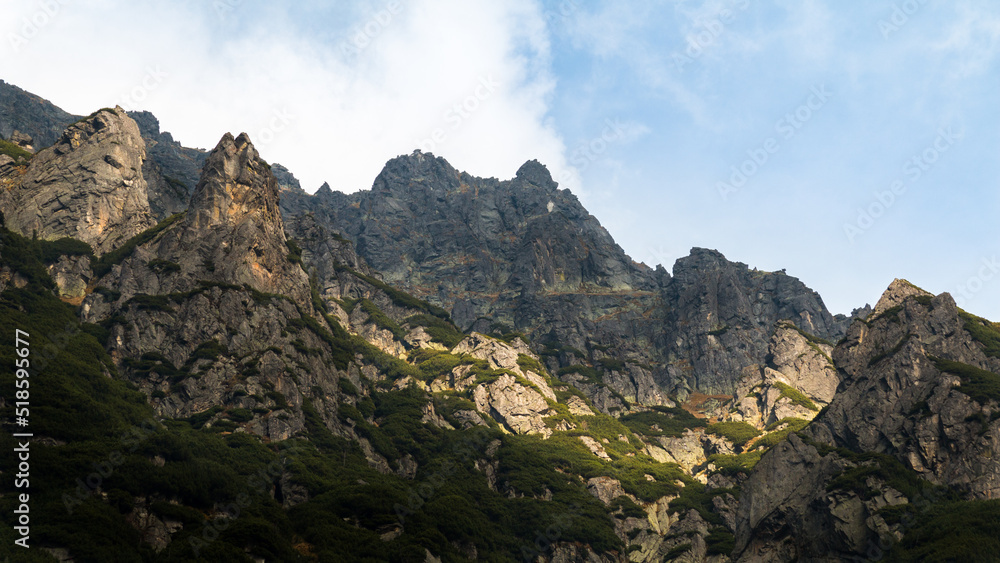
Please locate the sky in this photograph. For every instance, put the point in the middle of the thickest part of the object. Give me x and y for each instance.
(848, 143)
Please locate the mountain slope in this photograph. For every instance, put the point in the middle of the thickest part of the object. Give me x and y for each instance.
(914, 426)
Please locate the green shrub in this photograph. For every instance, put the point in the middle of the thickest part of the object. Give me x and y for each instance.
(163, 266)
(439, 329)
(774, 438)
(662, 421)
(795, 396)
(590, 375)
(143, 302)
(240, 415)
(611, 364)
(984, 332)
(382, 320)
(294, 251)
(739, 433)
(734, 464)
(51, 250)
(347, 387)
(981, 385)
(527, 363)
(14, 151)
(398, 297)
(104, 264)
(952, 531)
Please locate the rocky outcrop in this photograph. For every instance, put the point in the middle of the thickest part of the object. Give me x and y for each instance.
(88, 186)
(912, 413)
(798, 380)
(519, 408)
(723, 315)
(31, 115)
(232, 233)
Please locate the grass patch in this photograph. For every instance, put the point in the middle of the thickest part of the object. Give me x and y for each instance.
(398, 297)
(984, 332)
(382, 320)
(662, 421)
(981, 385)
(19, 155)
(796, 396)
(739, 433)
(439, 329)
(774, 438)
(735, 464)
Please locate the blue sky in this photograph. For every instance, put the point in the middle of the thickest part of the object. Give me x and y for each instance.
(846, 142)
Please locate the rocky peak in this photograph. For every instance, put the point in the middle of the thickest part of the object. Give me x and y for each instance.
(232, 233)
(416, 171)
(88, 185)
(286, 180)
(536, 173)
(918, 404)
(236, 186)
(894, 296)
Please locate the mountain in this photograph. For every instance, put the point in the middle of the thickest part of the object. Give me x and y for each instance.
(449, 368)
(522, 255)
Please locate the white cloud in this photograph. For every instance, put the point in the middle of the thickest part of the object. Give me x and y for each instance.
(469, 82)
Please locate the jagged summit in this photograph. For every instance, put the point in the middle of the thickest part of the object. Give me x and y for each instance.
(895, 294)
(536, 173)
(88, 185)
(236, 185)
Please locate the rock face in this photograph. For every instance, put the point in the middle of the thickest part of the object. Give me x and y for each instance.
(723, 315)
(908, 412)
(523, 254)
(32, 116)
(216, 287)
(88, 186)
(172, 171)
(233, 231)
(798, 379)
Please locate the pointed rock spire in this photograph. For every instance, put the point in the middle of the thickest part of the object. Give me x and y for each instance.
(897, 292)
